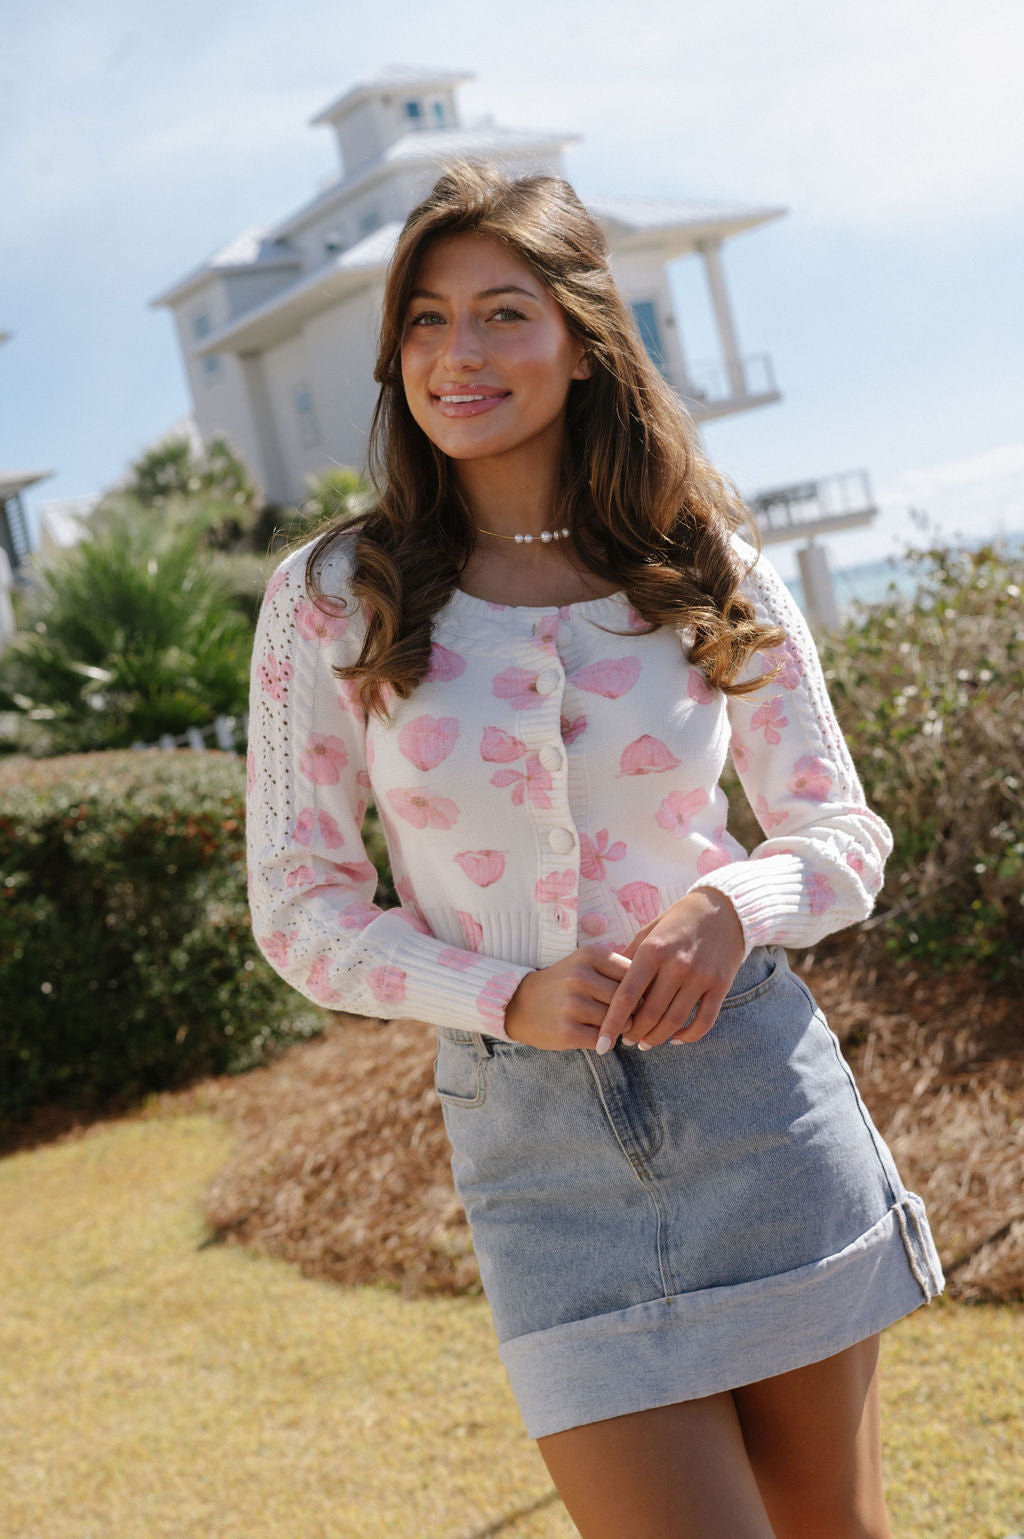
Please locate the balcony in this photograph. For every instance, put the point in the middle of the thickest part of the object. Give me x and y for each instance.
(717, 387)
(807, 508)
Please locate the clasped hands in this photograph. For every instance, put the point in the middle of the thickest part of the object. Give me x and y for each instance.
(667, 985)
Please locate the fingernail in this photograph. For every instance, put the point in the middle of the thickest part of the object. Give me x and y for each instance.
(645, 1047)
(604, 1043)
(678, 1041)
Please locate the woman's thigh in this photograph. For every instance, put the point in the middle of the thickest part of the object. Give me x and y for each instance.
(675, 1472)
(814, 1442)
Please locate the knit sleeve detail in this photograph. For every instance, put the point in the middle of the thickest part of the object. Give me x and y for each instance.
(820, 865)
(311, 883)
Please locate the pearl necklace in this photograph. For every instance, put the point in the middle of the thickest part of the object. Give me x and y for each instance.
(546, 538)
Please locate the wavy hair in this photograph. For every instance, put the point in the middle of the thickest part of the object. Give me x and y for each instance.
(645, 508)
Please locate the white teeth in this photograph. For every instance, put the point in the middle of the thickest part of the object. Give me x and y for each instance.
(457, 400)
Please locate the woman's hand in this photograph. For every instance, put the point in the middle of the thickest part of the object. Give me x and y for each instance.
(682, 963)
(563, 1006)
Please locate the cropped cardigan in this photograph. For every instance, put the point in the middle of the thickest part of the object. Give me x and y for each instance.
(553, 781)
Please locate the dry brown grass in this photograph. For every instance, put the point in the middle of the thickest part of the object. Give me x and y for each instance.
(341, 1163)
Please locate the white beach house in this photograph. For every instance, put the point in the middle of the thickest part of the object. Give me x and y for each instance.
(277, 328)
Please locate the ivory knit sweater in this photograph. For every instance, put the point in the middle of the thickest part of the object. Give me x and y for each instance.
(554, 780)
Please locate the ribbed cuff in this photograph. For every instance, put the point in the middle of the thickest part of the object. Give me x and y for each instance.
(766, 894)
(445, 985)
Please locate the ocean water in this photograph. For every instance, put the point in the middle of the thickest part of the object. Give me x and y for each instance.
(873, 581)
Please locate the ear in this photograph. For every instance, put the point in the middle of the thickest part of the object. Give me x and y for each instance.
(582, 369)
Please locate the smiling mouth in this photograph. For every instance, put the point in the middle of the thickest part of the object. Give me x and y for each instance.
(451, 399)
(468, 403)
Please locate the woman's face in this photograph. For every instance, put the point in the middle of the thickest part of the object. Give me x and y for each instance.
(487, 357)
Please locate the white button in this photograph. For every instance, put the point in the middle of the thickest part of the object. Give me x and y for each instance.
(550, 757)
(561, 840)
(547, 683)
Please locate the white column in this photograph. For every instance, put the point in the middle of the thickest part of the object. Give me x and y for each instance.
(710, 251)
(273, 477)
(6, 608)
(819, 594)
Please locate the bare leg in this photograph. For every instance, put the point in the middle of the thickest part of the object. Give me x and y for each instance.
(813, 1438)
(676, 1472)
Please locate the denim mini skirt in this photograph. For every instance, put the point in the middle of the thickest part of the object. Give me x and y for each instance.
(656, 1226)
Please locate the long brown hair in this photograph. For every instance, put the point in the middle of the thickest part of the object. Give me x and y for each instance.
(645, 508)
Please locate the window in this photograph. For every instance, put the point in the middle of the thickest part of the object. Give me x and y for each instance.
(646, 318)
(309, 429)
(414, 112)
(201, 327)
(437, 108)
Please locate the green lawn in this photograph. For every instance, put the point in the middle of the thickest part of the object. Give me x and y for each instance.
(152, 1387)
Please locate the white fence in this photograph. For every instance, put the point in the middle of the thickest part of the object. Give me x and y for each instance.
(228, 733)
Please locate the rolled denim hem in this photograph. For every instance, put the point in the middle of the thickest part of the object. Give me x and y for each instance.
(695, 1344)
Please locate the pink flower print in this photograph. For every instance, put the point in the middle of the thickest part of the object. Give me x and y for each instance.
(422, 808)
(302, 876)
(316, 981)
(594, 853)
(387, 984)
(635, 620)
(698, 688)
(534, 783)
(609, 676)
(275, 584)
(855, 860)
(403, 887)
(558, 886)
(274, 676)
(594, 924)
(427, 740)
(640, 900)
(821, 895)
(484, 867)
(789, 662)
(647, 756)
(318, 624)
(766, 817)
(330, 833)
(413, 919)
(458, 961)
(499, 747)
(740, 756)
(363, 779)
(678, 809)
(492, 1001)
(558, 889)
(769, 718)
(571, 730)
(303, 831)
(471, 929)
(711, 859)
(547, 631)
(519, 687)
(445, 665)
(323, 759)
(356, 870)
(356, 916)
(349, 698)
(810, 779)
(276, 947)
(370, 754)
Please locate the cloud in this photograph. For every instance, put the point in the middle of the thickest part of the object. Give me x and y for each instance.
(980, 496)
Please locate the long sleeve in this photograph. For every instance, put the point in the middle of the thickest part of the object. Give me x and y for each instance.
(820, 865)
(311, 883)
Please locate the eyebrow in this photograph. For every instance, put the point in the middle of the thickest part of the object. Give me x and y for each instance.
(504, 288)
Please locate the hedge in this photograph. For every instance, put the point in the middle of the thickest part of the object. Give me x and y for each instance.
(127, 964)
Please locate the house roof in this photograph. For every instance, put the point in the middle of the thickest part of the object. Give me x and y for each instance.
(14, 481)
(254, 250)
(677, 224)
(277, 316)
(397, 77)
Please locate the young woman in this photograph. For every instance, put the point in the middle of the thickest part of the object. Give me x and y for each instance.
(536, 652)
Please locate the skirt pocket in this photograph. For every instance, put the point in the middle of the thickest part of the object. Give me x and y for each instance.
(459, 1068)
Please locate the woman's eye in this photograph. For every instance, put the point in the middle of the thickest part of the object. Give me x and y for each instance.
(426, 318)
(506, 313)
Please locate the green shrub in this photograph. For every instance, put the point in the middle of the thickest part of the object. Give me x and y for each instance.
(127, 963)
(929, 690)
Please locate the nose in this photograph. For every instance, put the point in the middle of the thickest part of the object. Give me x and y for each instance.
(462, 347)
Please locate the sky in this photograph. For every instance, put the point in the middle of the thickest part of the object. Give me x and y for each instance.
(136, 138)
